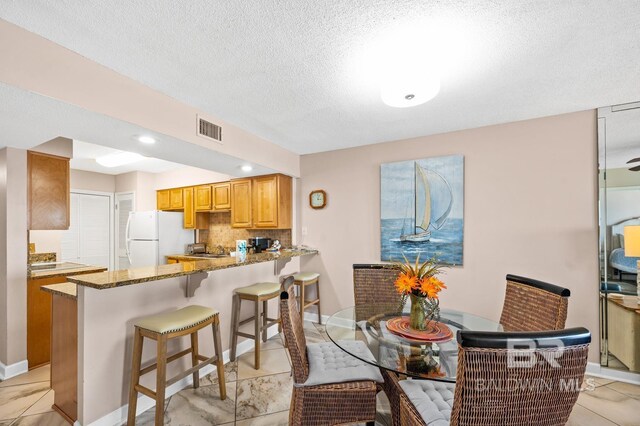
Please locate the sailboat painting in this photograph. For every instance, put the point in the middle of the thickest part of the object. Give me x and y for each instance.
(422, 209)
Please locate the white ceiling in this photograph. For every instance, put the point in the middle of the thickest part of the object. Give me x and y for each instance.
(85, 154)
(290, 71)
(622, 131)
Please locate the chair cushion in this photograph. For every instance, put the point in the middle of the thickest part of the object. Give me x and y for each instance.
(305, 276)
(259, 289)
(330, 364)
(176, 320)
(433, 400)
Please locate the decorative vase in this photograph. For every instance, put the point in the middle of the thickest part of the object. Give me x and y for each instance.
(418, 316)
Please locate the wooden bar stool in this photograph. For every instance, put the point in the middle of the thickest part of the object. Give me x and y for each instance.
(304, 279)
(260, 292)
(161, 328)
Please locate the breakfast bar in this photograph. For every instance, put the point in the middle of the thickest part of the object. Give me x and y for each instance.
(104, 327)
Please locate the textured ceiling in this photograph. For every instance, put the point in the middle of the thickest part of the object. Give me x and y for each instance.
(290, 71)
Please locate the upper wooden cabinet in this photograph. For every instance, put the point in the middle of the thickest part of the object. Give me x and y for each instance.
(261, 202)
(221, 196)
(176, 198)
(272, 201)
(189, 211)
(163, 199)
(241, 203)
(48, 191)
(202, 198)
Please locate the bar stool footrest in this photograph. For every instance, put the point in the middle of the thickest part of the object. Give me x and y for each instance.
(192, 370)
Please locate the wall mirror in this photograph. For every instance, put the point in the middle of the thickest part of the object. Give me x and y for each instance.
(619, 224)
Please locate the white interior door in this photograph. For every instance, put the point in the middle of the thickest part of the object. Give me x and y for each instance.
(88, 239)
(125, 204)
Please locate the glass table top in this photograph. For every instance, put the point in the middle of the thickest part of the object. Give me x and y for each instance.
(436, 361)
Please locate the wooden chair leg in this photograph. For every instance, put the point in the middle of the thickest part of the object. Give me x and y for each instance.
(161, 379)
(135, 376)
(219, 364)
(318, 295)
(194, 359)
(302, 301)
(235, 321)
(257, 336)
(265, 319)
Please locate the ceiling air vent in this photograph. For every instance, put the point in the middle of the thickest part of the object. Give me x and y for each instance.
(209, 130)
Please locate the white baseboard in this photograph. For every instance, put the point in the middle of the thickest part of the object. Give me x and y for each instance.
(595, 369)
(119, 416)
(313, 317)
(12, 370)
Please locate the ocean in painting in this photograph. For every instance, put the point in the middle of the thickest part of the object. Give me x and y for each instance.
(445, 244)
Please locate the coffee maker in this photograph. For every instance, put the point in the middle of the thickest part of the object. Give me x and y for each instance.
(258, 244)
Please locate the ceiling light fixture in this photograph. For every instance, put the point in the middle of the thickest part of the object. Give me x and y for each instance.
(119, 158)
(147, 139)
(246, 168)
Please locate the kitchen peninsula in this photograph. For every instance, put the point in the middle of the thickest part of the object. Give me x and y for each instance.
(105, 320)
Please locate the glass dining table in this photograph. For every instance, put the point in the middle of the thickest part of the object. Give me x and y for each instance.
(393, 352)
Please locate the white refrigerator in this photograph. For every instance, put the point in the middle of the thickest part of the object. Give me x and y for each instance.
(153, 235)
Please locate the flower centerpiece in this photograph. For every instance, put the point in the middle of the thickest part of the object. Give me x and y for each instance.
(419, 282)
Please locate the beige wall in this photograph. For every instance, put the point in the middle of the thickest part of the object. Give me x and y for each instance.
(91, 181)
(62, 147)
(13, 255)
(530, 209)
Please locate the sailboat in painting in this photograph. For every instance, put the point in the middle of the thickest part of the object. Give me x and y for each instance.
(433, 199)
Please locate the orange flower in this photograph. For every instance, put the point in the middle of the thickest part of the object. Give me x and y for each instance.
(431, 286)
(405, 283)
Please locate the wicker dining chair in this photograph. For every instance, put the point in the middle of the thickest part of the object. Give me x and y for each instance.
(373, 285)
(491, 390)
(532, 305)
(374, 292)
(324, 404)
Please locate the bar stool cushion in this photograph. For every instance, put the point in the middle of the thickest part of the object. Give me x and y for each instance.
(330, 364)
(433, 400)
(305, 276)
(259, 289)
(176, 320)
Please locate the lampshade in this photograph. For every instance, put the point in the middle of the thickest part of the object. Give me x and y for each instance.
(632, 241)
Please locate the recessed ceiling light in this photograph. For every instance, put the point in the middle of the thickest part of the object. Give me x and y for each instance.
(118, 159)
(246, 168)
(147, 139)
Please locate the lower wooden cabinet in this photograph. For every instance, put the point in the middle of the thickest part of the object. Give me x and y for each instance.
(39, 321)
(64, 356)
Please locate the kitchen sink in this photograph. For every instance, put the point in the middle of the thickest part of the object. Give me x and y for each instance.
(209, 255)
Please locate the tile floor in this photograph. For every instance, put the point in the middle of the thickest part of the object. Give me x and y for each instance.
(262, 397)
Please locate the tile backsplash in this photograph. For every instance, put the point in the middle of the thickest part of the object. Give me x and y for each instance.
(220, 233)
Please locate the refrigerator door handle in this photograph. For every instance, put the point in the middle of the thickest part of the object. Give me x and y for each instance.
(127, 244)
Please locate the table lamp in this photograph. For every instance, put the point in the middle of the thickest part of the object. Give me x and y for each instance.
(632, 246)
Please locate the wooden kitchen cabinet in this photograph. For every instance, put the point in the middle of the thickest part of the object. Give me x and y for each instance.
(64, 356)
(271, 201)
(176, 198)
(48, 191)
(163, 199)
(189, 210)
(39, 321)
(221, 195)
(202, 197)
(241, 203)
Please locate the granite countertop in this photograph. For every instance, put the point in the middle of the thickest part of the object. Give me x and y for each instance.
(69, 290)
(111, 279)
(61, 269)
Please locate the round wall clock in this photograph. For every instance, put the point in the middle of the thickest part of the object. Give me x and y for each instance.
(317, 199)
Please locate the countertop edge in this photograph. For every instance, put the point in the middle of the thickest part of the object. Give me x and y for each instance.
(68, 290)
(205, 265)
(67, 273)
